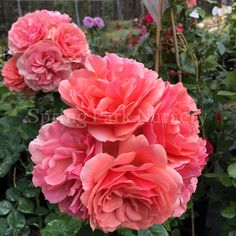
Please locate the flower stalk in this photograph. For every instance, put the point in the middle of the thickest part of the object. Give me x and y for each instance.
(158, 37)
(175, 43)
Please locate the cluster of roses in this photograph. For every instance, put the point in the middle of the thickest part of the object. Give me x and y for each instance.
(45, 48)
(127, 153)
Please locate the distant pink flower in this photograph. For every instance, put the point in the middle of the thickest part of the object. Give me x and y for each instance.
(88, 22)
(191, 3)
(175, 126)
(33, 27)
(179, 28)
(134, 188)
(99, 22)
(112, 96)
(148, 20)
(12, 79)
(59, 153)
(43, 67)
(71, 41)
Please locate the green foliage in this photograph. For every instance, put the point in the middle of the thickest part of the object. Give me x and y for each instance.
(156, 230)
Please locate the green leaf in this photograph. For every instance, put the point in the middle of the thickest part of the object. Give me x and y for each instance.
(5, 207)
(175, 232)
(26, 205)
(23, 184)
(3, 226)
(156, 230)
(31, 192)
(63, 226)
(41, 211)
(11, 147)
(220, 47)
(210, 62)
(229, 212)
(225, 180)
(16, 220)
(12, 194)
(126, 232)
(230, 80)
(232, 170)
(227, 94)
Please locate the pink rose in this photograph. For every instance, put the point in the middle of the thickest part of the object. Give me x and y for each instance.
(53, 18)
(134, 188)
(191, 3)
(59, 154)
(43, 67)
(26, 31)
(12, 79)
(175, 126)
(187, 190)
(33, 27)
(71, 41)
(112, 96)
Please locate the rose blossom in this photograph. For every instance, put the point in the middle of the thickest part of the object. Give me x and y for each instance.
(99, 22)
(59, 154)
(33, 27)
(12, 79)
(71, 41)
(43, 67)
(26, 31)
(175, 126)
(148, 19)
(111, 95)
(134, 188)
(53, 18)
(88, 22)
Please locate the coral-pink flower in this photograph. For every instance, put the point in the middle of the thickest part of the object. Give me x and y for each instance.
(175, 126)
(112, 95)
(12, 79)
(33, 27)
(59, 154)
(71, 41)
(53, 18)
(134, 188)
(26, 31)
(43, 67)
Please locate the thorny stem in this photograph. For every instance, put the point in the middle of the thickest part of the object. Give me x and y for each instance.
(158, 37)
(175, 43)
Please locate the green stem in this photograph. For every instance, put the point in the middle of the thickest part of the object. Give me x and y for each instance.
(158, 37)
(14, 177)
(39, 217)
(175, 43)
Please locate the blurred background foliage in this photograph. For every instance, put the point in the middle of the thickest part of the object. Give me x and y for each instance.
(207, 47)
